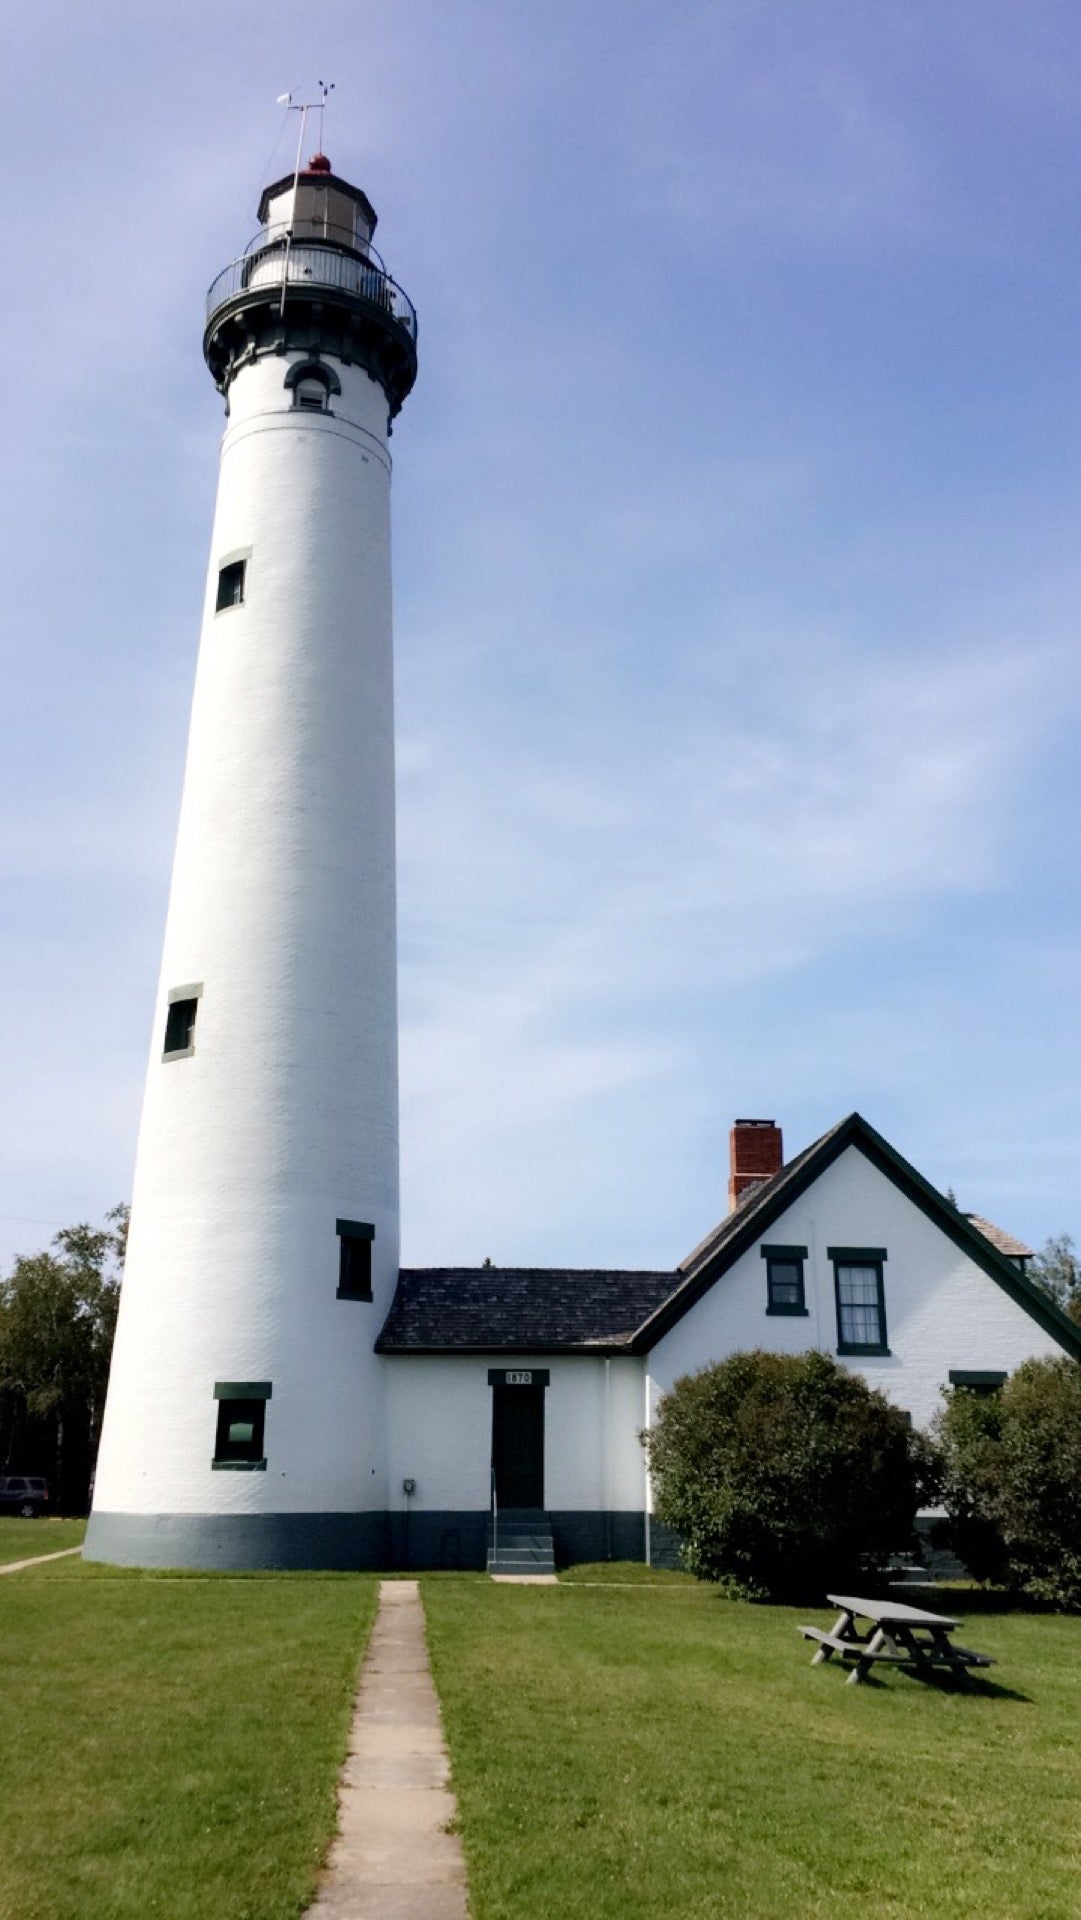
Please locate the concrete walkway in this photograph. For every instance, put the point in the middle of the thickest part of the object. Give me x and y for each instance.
(393, 1856)
(16, 1566)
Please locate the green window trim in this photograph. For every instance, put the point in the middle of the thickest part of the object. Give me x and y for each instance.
(355, 1229)
(872, 1257)
(978, 1379)
(239, 1439)
(786, 1296)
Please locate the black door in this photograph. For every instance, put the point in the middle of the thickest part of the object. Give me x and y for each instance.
(518, 1445)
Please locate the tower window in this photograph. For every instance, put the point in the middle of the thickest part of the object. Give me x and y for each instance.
(231, 585)
(180, 1022)
(238, 1442)
(310, 393)
(312, 382)
(355, 1259)
(784, 1279)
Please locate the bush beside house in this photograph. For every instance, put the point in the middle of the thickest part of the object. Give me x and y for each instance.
(784, 1474)
(1011, 1480)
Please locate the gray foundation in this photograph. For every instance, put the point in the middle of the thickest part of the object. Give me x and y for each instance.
(356, 1542)
(239, 1542)
(665, 1546)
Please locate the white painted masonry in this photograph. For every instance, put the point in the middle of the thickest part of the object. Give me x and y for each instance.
(439, 1429)
(942, 1311)
(283, 906)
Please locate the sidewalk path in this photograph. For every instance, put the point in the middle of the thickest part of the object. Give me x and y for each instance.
(393, 1856)
(16, 1566)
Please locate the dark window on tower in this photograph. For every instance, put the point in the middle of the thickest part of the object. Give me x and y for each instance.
(355, 1259)
(861, 1299)
(238, 1442)
(231, 585)
(180, 1023)
(784, 1279)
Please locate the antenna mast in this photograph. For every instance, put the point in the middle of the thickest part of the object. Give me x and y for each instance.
(303, 107)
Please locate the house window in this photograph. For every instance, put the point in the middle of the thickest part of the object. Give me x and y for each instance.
(861, 1299)
(230, 585)
(180, 1023)
(238, 1443)
(355, 1259)
(977, 1380)
(784, 1279)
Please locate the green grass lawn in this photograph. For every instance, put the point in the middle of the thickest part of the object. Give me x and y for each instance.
(169, 1747)
(624, 1573)
(638, 1753)
(23, 1539)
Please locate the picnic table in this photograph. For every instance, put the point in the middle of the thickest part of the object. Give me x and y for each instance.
(908, 1637)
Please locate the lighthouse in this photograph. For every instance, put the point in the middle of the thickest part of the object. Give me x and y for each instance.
(244, 1424)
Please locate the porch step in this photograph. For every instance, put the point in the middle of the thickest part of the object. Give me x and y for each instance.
(521, 1542)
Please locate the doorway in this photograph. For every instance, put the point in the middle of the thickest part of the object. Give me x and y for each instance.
(518, 1444)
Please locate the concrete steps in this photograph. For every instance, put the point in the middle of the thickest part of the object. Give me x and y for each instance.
(521, 1543)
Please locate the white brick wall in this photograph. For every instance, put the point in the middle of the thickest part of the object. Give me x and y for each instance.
(942, 1310)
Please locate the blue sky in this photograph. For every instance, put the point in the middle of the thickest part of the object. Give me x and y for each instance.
(736, 584)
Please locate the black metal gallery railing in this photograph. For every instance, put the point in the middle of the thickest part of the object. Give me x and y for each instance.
(276, 259)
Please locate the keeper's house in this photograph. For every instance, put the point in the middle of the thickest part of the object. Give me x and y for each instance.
(534, 1384)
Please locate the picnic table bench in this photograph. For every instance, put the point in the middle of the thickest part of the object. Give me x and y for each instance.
(906, 1636)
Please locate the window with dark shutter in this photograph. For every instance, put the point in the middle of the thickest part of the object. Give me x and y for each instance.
(231, 585)
(355, 1259)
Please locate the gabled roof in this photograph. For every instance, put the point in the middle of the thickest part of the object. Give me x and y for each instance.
(589, 1310)
(519, 1309)
(720, 1249)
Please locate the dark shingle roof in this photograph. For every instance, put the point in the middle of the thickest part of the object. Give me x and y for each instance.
(523, 1309)
(557, 1309)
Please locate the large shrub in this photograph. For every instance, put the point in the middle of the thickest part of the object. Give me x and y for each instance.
(1012, 1480)
(784, 1474)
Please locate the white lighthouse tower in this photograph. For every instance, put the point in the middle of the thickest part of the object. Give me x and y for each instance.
(244, 1423)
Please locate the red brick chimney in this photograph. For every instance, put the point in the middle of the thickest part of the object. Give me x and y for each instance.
(755, 1151)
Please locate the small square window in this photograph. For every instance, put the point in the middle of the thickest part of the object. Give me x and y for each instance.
(311, 393)
(784, 1279)
(238, 1441)
(180, 1026)
(355, 1260)
(231, 585)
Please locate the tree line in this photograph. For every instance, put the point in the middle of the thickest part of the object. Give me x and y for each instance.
(57, 1320)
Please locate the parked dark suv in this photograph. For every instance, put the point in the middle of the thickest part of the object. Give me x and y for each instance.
(21, 1493)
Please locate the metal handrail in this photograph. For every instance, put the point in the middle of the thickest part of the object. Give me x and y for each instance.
(308, 263)
(277, 232)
